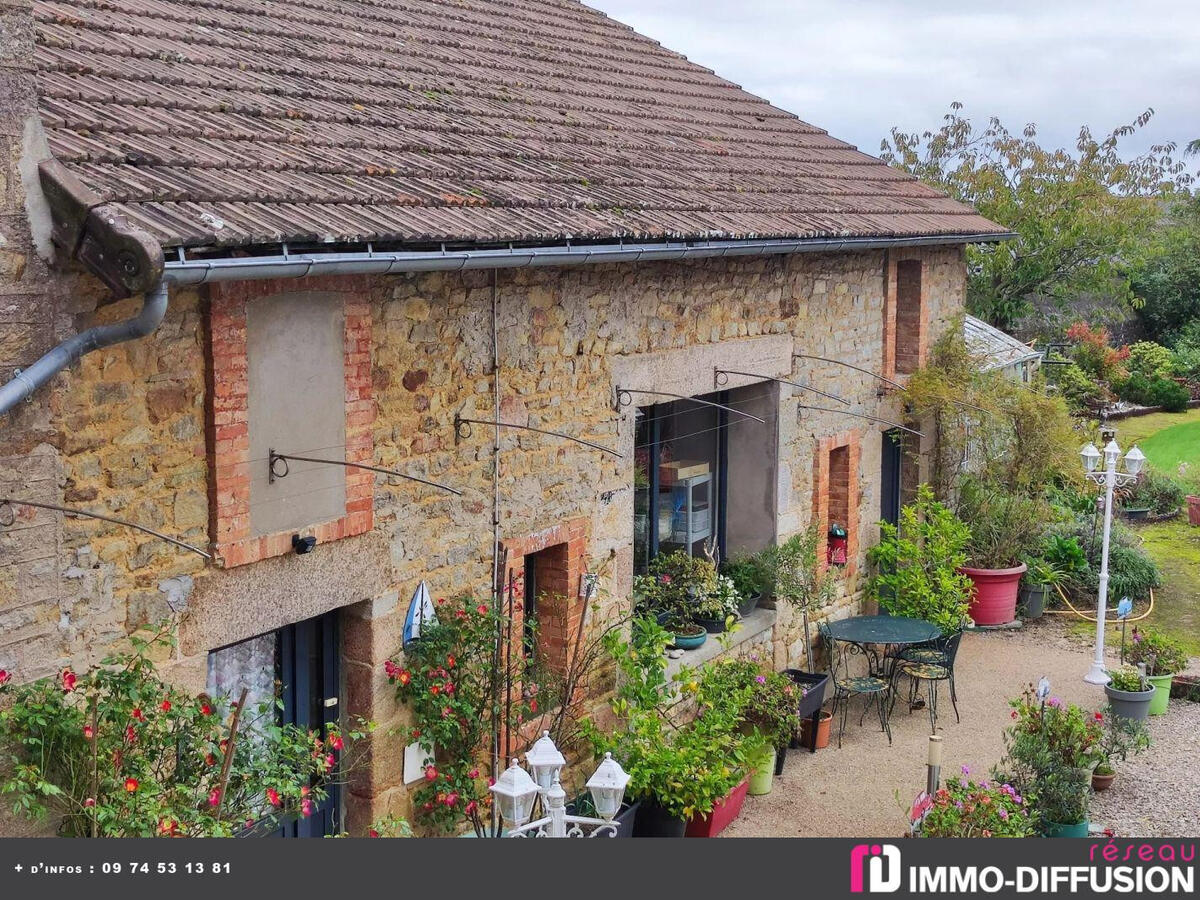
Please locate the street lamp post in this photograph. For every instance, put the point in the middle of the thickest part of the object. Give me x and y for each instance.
(1109, 478)
(516, 791)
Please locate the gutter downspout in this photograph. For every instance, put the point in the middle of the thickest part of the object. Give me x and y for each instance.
(25, 382)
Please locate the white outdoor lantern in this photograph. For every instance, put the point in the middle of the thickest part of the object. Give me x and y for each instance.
(545, 761)
(515, 792)
(607, 787)
(1134, 460)
(1091, 458)
(1111, 453)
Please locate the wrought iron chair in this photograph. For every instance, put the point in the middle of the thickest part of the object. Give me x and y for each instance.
(929, 664)
(847, 686)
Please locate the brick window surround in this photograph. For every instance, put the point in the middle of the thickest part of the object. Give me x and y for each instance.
(835, 492)
(229, 425)
(905, 331)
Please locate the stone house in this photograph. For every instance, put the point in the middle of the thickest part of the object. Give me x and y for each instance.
(339, 230)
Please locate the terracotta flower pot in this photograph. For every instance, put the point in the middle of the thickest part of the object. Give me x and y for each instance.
(994, 594)
(824, 727)
(1193, 504)
(1102, 782)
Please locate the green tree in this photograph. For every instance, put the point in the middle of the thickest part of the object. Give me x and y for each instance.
(1166, 277)
(1078, 215)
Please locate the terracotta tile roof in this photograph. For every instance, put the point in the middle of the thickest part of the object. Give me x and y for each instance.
(237, 122)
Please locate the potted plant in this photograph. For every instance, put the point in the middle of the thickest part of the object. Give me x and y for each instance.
(824, 721)
(1122, 736)
(966, 809)
(747, 575)
(1162, 657)
(719, 606)
(1003, 527)
(795, 574)
(1040, 576)
(1129, 693)
(1052, 748)
(917, 565)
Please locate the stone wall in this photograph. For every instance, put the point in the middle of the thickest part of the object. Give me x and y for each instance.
(124, 432)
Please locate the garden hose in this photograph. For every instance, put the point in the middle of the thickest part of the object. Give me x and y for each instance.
(1085, 616)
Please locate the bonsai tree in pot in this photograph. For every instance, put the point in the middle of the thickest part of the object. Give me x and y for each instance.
(795, 574)
(1129, 693)
(1163, 658)
(1004, 527)
(1122, 736)
(917, 565)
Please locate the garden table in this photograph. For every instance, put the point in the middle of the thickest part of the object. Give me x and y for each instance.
(868, 633)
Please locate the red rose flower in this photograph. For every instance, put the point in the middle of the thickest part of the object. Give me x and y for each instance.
(533, 706)
(474, 773)
(68, 680)
(481, 609)
(405, 677)
(307, 808)
(445, 712)
(330, 761)
(131, 785)
(214, 797)
(137, 714)
(450, 661)
(373, 833)
(89, 802)
(336, 742)
(431, 773)
(89, 732)
(130, 734)
(435, 689)
(452, 798)
(205, 709)
(165, 706)
(5, 677)
(1099, 716)
(304, 791)
(210, 759)
(273, 798)
(470, 808)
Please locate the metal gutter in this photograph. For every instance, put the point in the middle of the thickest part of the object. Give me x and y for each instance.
(184, 270)
(26, 381)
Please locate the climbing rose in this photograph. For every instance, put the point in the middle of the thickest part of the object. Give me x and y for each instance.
(205, 709)
(5, 677)
(273, 797)
(1099, 716)
(452, 798)
(450, 661)
(89, 732)
(330, 761)
(130, 734)
(68, 680)
(481, 609)
(214, 796)
(307, 807)
(165, 706)
(138, 714)
(89, 802)
(404, 677)
(474, 773)
(431, 773)
(373, 833)
(336, 742)
(210, 759)
(131, 785)
(470, 808)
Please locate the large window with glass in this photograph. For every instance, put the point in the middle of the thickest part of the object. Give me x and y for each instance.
(704, 478)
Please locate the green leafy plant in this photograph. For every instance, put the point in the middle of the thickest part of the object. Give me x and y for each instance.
(118, 752)
(1122, 737)
(916, 565)
(1150, 359)
(720, 602)
(765, 702)
(683, 581)
(748, 574)
(1161, 494)
(1005, 526)
(1160, 654)
(450, 681)
(1127, 678)
(969, 809)
(1065, 555)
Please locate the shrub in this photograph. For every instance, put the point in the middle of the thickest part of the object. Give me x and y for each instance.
(747, 574)
(916, 565)
(117, 752)
(1092, 352)
(1076, 386)
(1160, 654)
(1132, 573)
(1161, 494)
(1150, 359)
(1004, 526)
(1170, 395)
(966, 809)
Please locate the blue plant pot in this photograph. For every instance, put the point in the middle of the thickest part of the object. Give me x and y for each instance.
(690, 641)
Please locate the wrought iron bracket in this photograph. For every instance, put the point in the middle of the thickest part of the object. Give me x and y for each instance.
(273, 471)
(624, 397)
(721, 378)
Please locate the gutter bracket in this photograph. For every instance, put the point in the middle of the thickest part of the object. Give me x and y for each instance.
(125, 257)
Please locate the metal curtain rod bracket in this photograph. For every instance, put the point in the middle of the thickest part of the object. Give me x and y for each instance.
(462, 431)
(85, 514)
(624, 398)
(846, 412)
(721, 378)
(273, 473)
(838, 362)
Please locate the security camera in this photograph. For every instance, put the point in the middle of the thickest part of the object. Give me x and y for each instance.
(303, 544)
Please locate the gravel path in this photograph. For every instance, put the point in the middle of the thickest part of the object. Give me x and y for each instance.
(866, 787)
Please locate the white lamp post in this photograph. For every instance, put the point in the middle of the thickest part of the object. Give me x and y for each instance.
(1110, 478)
(515, 793)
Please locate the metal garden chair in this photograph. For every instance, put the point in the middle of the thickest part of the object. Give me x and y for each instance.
(847, 686)
(928, 665)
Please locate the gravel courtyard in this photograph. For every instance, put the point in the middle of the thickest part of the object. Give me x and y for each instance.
(865, 788)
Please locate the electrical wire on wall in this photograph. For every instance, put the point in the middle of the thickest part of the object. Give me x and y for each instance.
(497, 574)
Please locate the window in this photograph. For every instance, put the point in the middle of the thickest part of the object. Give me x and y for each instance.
(705, 478)
(909, 316)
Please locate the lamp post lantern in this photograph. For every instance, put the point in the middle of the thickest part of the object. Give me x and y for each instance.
(515, 792)
(1109, 478)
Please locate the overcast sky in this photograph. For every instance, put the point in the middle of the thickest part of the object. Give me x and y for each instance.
(858, 67)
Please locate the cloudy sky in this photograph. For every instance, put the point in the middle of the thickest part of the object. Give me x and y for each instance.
(857, 67)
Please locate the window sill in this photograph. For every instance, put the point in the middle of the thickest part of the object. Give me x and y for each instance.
(754, 627)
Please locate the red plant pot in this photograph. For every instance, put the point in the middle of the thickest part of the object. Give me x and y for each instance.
(994, 594)
(722, 816)
(1193, 511)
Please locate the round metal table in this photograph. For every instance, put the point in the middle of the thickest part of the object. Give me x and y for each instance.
(871, 632)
